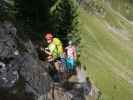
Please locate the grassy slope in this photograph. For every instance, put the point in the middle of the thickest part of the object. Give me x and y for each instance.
(124, 7)
(107, 51)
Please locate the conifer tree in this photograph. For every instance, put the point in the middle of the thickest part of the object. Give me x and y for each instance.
(34, 16)
(66, 19)
(7, 10)
(58, 16)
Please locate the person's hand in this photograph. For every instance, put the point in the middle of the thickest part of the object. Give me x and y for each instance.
(47, 50)
(42, 49)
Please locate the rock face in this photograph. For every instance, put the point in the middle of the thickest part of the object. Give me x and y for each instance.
(66, 91)
(8, 56)
(19, 61)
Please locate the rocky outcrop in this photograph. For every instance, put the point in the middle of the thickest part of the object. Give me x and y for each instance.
(19, 62)
(66, 91)
(8, 56)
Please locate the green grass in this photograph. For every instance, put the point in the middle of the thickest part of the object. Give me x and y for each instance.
(108, 53)
(124, 7)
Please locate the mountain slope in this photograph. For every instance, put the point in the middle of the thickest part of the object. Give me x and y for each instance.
(107, 51)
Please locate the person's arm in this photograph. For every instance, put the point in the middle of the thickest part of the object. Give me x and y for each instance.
(66, 48)
(48, 52)
(75, 53)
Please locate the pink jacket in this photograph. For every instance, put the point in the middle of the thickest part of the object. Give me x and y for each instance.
(71, 52)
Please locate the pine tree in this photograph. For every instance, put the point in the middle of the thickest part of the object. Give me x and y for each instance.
(66, 19)
(7, 10)
(34, 16)
(58, 16)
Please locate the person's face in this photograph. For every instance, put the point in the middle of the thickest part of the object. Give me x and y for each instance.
(49, 40)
